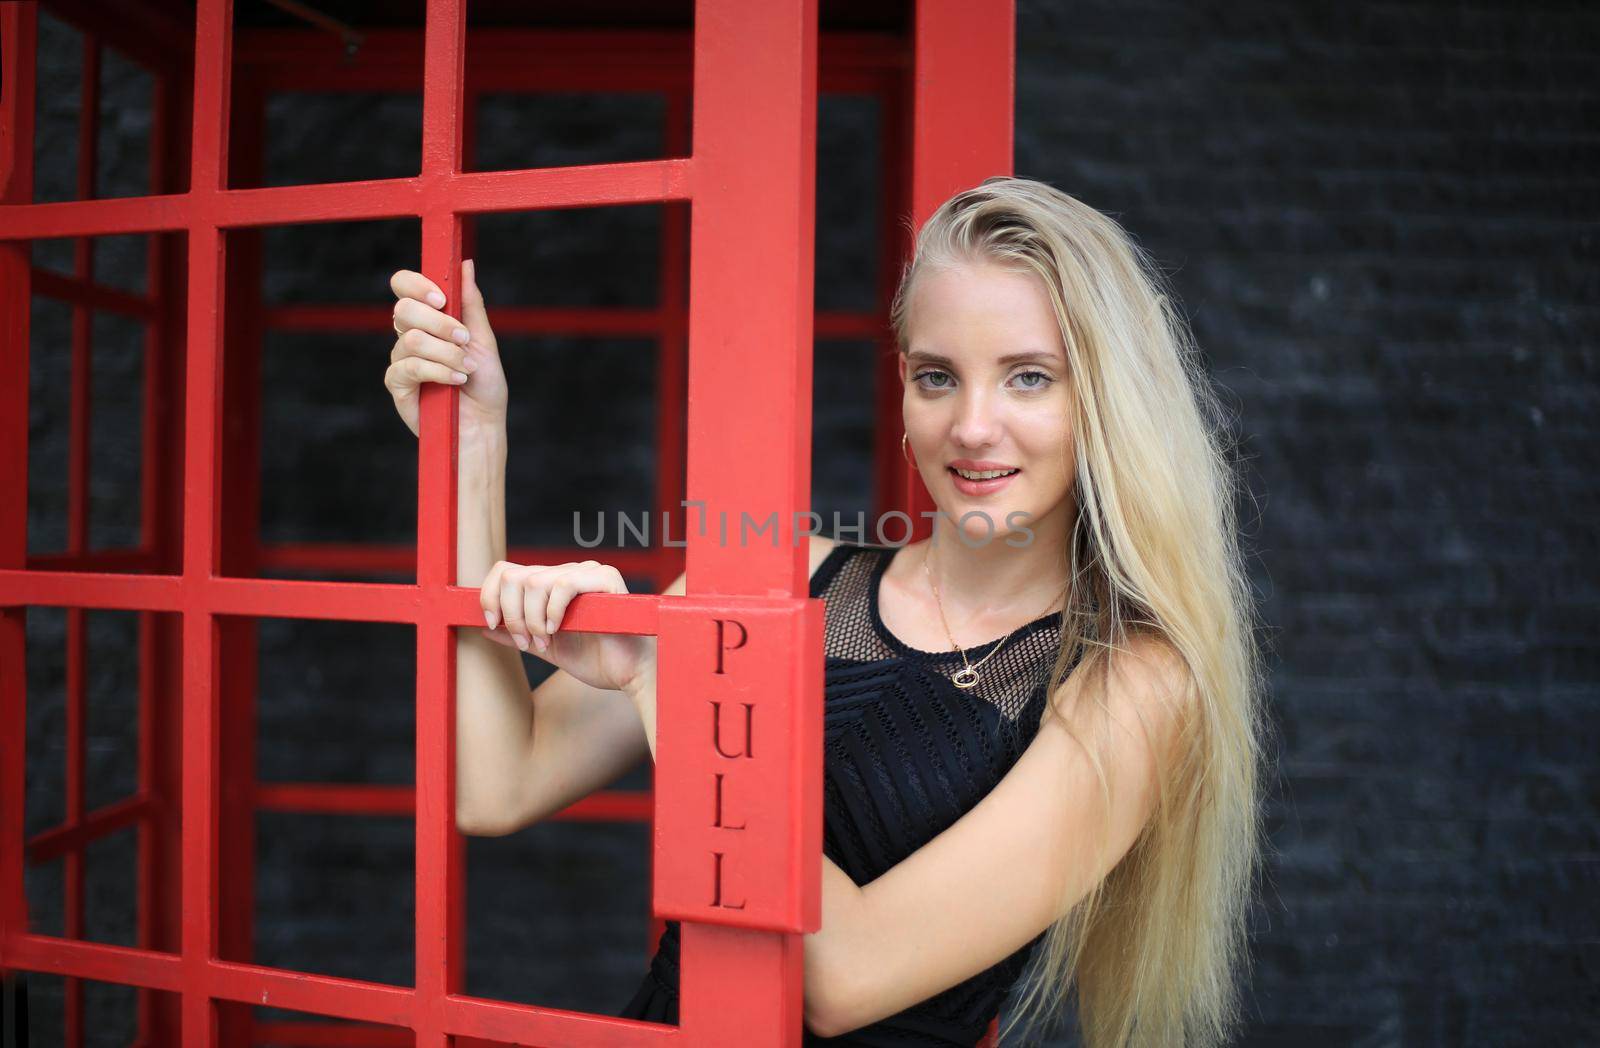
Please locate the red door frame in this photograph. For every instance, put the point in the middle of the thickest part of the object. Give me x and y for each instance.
(947, 103)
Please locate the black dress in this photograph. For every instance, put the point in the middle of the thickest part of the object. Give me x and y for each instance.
(907, 754)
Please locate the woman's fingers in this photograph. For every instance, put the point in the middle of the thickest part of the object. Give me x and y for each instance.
(529, 601)
(560, 594)
(588, 576)
(416, 340)
(534, 595)
(562, 590)
(489, 594)
(425, 347)
(411, 314)
(407, 283)
(508, 600)
(404, 376)
(422, 330)
(473, 313)
(522, 603)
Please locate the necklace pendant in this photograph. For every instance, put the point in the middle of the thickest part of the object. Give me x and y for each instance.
(965, 677)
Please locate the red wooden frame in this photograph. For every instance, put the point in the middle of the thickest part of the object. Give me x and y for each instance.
(746, 641)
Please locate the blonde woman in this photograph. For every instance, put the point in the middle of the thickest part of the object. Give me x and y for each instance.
(1042, 723)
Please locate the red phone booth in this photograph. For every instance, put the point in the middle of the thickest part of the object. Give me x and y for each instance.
(744, 642)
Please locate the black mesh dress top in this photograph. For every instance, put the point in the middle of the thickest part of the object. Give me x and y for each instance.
(907, 754)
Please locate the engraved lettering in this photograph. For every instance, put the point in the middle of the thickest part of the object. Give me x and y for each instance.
(716, 891)
(719, 822)
(749, 730)
(744, 636)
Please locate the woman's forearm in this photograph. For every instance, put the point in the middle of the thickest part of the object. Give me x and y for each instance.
(642, 690)
(494, 710)
(480, 504)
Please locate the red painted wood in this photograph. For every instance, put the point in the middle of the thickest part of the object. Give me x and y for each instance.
(160, 918)
(18, 38)
(150, 34)
(439, 859)
(738, 751)
(750, 329)
(961, 124)
(79, 292)
(239, 514)
(80, 376)
(747, 79)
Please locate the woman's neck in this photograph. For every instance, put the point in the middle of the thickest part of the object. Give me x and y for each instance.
(985, 581)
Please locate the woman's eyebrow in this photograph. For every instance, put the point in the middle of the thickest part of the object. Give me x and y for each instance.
(918, 355)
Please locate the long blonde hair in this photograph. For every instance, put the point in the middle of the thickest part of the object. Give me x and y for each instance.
(1156, 950)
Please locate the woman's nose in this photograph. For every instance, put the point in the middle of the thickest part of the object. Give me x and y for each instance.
(976, 423)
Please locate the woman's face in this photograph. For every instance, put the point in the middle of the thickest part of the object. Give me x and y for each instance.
(987, 388)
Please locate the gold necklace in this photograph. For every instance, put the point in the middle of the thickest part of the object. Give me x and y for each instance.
(967, 676)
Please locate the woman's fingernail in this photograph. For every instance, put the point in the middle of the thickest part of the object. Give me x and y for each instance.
(457, 377)
(469, 365)
(435, 300)
(549, 625)
(522, 642)
(461, 335)
(491, 618)
(539, 643)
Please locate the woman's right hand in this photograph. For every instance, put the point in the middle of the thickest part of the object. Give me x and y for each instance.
(432, 346)
(523, 605)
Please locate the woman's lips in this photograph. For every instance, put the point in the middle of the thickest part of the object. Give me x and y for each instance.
(981, 487)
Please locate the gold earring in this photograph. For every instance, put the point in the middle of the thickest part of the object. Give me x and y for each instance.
(905, 449)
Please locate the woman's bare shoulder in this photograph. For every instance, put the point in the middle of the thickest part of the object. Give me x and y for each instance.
(821, 546)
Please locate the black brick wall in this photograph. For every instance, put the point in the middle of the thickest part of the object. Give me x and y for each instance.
(1382, 220)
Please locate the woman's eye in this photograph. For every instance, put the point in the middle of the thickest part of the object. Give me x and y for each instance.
(1041, 379)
